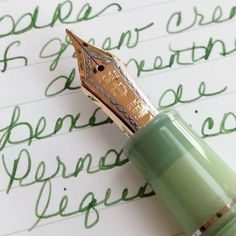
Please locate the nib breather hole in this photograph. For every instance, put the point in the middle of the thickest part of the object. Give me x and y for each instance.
(100, 68)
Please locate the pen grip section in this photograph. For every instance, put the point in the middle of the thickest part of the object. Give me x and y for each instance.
(185, 173)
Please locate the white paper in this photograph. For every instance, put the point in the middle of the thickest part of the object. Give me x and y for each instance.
(198, 44)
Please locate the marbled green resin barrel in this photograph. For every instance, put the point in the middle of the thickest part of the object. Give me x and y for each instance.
(185, 173)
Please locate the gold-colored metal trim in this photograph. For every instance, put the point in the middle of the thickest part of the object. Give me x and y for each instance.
(105, 78)
(224, 210)
(112, 115)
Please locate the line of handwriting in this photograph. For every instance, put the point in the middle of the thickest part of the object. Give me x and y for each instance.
(22, 177)
(55, 48)
(30, 132)
(129, 38)
(171, 97)
(64, 13)
(177, 23)
(88, 204)
(184, 57)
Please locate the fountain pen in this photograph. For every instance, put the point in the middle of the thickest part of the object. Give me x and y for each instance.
(197, 186)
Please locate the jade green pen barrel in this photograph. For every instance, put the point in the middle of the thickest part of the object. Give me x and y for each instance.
(189, 177)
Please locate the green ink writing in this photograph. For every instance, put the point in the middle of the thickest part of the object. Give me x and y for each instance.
(176, 24)
(176, 96)
(110, 160)
(87, 206)
(63, 14)
(6, 58)
(226, 125)
(60, 49)
(53, 90)
(129, 39)
(30, 133)
(186, 56)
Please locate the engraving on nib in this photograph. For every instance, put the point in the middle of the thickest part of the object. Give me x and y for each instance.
(105, 78)
(117, 88)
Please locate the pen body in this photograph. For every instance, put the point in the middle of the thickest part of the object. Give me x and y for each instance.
(196, 185)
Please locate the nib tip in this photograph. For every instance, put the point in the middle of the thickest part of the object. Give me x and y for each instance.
(68, 32)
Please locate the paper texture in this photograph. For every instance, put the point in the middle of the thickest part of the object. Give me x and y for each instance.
(62, 170)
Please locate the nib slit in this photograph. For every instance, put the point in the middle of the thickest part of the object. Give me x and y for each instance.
(72, 36)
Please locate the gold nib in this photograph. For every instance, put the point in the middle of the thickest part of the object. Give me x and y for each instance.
(104, 78)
